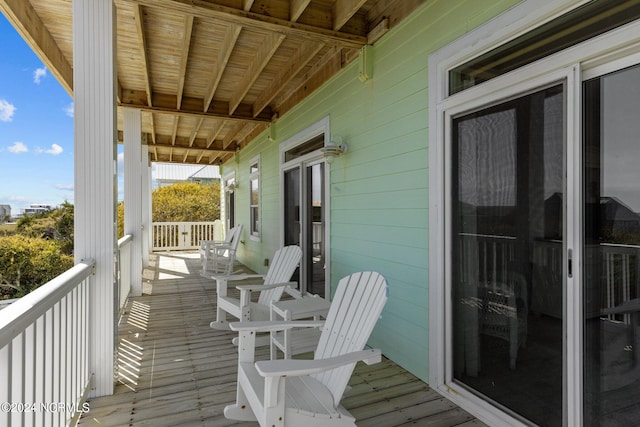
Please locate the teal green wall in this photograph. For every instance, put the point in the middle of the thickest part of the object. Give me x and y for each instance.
(379, 188)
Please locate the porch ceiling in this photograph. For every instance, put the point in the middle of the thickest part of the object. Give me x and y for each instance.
(210, 75)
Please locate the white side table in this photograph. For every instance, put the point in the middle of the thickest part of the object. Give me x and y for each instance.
(302, 340)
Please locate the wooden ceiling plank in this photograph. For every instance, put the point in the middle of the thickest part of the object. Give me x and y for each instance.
(142, 41)
(297, 7)
(307, 51)
(224, 53)
(263, 55)
(27, 22)
(188, 29)
(184, 160)
(343, 10)
(207, 10)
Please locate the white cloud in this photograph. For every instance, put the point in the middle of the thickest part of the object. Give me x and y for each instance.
(54, 150)
(6, 111)
(17, 148)
(68, 110)
(120, 164)
(39, 74)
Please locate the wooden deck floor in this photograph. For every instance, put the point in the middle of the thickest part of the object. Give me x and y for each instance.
(174, 370)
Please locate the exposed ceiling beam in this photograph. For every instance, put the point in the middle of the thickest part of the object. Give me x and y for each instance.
(208, 10)
(307, 51)
(263, 55)
(247, 5)
(303, 86)
(174, 133)
(27, 22)
(232, 135)
(165, 142)
(224, 53)
(343, 10)
(192, 107)
(214, 134)
(186, 44)
(296, 8)
(142, 42)
(194, 132)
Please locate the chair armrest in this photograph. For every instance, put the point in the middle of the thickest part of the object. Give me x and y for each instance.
(272, 326)
(260, 287)
(233, 277)
(298, 367)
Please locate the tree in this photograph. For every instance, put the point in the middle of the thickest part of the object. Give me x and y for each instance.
(29, 262)
(186, 202)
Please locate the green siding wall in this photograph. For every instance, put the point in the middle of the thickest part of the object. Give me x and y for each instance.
(379, 188)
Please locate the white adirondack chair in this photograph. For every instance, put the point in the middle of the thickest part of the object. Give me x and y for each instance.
(282, 267)
(219, 255)
(294, 392)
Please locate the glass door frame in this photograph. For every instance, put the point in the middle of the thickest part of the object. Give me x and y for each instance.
(597, 56)
(469, 103)
(302, 163)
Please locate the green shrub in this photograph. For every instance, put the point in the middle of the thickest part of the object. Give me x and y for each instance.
(27, 263)
(186, 202)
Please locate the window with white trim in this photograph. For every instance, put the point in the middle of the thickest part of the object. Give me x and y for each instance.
(254, 198)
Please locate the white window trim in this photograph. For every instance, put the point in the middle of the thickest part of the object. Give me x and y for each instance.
(255, 235)
(318, 128)
(223, 190)
(589, 57)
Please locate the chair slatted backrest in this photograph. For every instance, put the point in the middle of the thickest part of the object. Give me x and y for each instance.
(235, 233)
(283, 265)
(354, 311)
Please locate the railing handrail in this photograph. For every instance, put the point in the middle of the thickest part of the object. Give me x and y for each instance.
(183, 222)
(124, 240)
(22, 313)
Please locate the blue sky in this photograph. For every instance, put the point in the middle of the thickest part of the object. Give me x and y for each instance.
(36, 129)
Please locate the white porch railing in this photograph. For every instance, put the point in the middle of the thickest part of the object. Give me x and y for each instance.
(44, 352)
(123, 269)
(179, 236)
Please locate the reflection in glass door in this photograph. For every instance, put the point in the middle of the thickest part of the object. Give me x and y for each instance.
(304, 223)
(507, 245)
(612, 249)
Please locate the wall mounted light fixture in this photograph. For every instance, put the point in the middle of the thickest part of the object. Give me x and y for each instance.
(334, 148)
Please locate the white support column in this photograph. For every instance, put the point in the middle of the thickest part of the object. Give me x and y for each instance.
(95, 175)
(146, 204)
(149, 209)
(132, 120)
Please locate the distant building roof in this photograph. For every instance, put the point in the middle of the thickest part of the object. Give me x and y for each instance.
(174, 173)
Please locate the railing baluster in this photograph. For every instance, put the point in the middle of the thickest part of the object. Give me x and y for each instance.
(168, 235)
(43, 354)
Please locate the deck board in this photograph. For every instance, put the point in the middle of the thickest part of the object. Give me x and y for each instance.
(175, 370)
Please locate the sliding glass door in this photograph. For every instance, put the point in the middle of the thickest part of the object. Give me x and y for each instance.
(507, 239)
(612, 248)
(305, 222)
